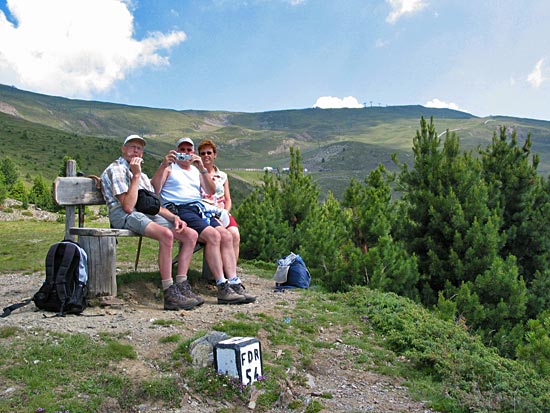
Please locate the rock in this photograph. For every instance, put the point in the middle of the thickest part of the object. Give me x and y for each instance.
(202, 349)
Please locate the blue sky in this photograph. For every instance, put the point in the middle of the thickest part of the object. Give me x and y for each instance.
(483, 57)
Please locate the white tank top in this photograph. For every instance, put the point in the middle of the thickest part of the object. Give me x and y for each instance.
(181, 186)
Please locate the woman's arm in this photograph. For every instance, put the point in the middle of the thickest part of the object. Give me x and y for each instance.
(227, 195)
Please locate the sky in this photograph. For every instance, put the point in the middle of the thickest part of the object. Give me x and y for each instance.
(484, 57)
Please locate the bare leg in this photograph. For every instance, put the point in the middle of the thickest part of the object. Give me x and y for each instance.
(165, 237)
(236, 241)
(188, 239)
(211, 238)
(227, 252)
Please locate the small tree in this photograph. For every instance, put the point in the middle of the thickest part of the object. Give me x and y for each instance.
(19, 192)
(536, 348)
(521, 199)
(10, 172)
(41, 194)
(270, 215)
(264, 233)
(386, 263)
(298, 195)
(448, 225)
(3, 188)
(63, 166)
(327, 249)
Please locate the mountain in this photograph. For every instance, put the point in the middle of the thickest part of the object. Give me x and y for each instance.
(336, 144)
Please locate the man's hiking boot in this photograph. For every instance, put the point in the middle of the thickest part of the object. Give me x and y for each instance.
(185, 289)
(174, 300)
(226, 295)
(239, 289)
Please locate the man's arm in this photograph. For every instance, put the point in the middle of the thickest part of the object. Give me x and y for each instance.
(128, 199)
(162, 172)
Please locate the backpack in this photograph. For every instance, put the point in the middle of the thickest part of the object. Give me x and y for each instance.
(65, 288)
(292, 273)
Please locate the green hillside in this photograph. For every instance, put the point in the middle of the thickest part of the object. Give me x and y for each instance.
(336, 144)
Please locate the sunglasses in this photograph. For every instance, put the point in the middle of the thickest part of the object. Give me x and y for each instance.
(206, 153)
(182, 149)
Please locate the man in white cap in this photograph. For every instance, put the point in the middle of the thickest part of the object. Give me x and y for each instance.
(120, 183)
(178, 180)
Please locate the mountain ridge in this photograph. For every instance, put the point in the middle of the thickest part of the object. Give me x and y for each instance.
(365, 137)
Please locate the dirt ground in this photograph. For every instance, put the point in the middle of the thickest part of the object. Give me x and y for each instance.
(132, 317)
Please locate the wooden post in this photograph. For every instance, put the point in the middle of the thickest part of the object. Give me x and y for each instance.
(70, 210)
(100, 245)
(101, 264)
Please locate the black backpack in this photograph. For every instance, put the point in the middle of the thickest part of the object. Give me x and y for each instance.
(65, 288)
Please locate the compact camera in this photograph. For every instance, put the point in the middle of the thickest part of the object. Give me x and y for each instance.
(184, 156)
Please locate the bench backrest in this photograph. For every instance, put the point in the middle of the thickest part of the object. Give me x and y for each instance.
(74, 192)
(77, 190)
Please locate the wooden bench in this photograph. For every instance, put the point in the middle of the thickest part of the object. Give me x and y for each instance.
(100, 244)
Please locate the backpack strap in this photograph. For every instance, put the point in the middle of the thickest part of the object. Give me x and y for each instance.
(50, 260)
(97, 181)
(60, 278)
(9, 309)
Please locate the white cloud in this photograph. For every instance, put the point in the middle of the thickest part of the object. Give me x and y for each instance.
(403, 7)
(331, 102)
(436, 103)
(75, 47)
(380, 43)
(536, 77)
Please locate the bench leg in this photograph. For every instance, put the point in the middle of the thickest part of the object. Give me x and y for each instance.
(101, 265)
(137, 254)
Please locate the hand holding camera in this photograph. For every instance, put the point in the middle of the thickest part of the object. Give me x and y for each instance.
(183, 156)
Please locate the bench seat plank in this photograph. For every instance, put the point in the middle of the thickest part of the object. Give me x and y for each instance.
(102, 232)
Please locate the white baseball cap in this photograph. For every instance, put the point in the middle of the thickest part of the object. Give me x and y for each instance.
(182, 140)
(134, 138)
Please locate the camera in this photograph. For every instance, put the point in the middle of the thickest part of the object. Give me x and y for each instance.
(184, 156)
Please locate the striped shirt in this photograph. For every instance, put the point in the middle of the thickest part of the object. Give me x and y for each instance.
(115, 180)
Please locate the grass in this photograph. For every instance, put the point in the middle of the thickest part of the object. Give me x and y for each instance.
(52, 370)
(439, 361)
(26, 243)
(76, 371)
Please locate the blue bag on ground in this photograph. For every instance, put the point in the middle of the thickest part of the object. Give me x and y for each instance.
(297, 274)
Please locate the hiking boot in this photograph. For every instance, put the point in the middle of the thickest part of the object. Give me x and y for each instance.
(226, 295)
(239, 289)
(174, 300)
(185, 289)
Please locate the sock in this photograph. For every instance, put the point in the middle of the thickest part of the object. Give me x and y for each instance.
(167, 283)
(234, 280)
(221, 281)
(181, 278)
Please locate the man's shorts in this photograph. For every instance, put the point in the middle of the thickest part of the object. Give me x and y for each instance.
(135, 221)
(192, 216)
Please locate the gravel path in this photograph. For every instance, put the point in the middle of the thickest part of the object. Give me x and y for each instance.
(352, 389)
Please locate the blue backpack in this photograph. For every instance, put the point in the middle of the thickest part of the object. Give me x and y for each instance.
(292, 272)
